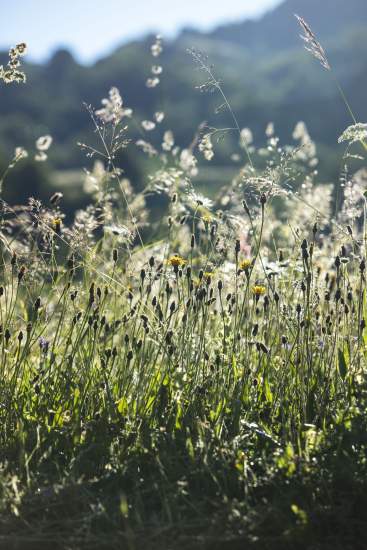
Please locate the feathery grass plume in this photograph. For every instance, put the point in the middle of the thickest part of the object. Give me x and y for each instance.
(315, 48)
(12, 72)
(354, 134)
(312, 44)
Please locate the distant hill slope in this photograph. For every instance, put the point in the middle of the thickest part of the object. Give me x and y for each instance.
(276, 31)
(265, 71)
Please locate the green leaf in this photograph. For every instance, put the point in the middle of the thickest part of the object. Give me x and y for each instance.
(342, 364)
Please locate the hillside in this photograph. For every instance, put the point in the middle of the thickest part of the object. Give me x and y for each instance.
(265, 71)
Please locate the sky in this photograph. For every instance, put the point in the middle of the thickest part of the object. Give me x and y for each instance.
(93, 28)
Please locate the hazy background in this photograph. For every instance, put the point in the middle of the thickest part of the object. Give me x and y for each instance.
(79, 49)
(90, 28)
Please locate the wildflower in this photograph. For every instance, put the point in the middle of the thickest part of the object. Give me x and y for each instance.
(176, 261)
(43, 143)
(152, 82)
(157, 69)
(56, 223)
(159, 117)
(168, 141)
(208, 275)
(40, 156)
(20, 153)
(207, 218)
(200, 200)
(259, 290)
(148, 125)
(245, 264)
(246, 137)
(269, 132)
(44, 345)
(156, 48)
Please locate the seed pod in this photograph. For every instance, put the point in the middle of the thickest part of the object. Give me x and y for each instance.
(151, 261)
(91, 294)
(263, 348)
(246, 208)
(57, 226)
(115, 255)
(192, 241)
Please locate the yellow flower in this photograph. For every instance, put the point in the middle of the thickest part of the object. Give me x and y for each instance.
(258, 290)
(245, 264)
(176, 261)
(56, 222)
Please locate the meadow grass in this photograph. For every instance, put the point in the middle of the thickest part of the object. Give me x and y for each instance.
(193, 382)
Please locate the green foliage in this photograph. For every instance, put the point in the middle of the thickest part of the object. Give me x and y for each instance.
(194, 378)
